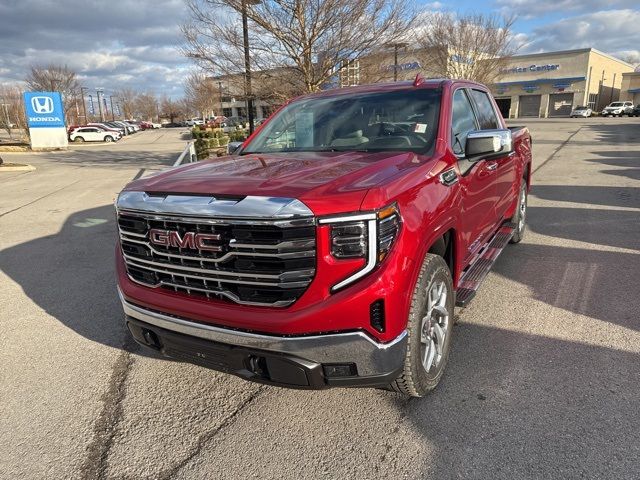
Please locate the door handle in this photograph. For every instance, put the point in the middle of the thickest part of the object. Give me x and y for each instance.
(492, 166)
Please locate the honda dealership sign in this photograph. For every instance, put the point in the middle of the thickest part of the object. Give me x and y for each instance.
(45, 118)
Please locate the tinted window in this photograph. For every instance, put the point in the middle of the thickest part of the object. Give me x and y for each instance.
(463, 121)
(486, 114)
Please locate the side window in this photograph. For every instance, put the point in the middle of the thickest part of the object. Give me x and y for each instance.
(486, 114)
(463, 121)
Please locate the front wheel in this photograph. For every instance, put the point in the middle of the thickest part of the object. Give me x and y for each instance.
(520, 216)
(108, 139)
(429, 329)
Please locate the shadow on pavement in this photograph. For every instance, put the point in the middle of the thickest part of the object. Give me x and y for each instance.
(513, 405)
(98, 157)
(618, 228)
(589, 195)
(71, 275)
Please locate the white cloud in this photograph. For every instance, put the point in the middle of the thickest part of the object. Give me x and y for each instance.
(613, 31)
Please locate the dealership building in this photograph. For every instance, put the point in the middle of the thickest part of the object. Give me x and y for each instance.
(631, 87)
(551, 84)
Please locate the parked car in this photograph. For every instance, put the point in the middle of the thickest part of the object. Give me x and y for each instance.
(136, 128)
(334, 258)
(584, 112)
(93, 134)
(104, 126)
(121, 129)
(617, 109)
(635, 112)
(194, 121)
(126, 126)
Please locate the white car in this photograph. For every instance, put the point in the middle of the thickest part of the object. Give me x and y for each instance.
(92, 134)
(617, 109)
(584, 112)
(192, 122)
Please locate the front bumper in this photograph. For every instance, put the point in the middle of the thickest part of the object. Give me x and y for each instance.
(313, 362)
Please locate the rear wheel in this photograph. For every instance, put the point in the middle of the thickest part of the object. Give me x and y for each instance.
(78, 140)
(520, 216)
(429, 329)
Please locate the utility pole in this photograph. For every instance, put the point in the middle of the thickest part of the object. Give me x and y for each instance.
(247, 63)
(99, 91)
(600, 91)
(220, 90)
(113, 117)
(84, 105)
(396, 46)
(613, 85)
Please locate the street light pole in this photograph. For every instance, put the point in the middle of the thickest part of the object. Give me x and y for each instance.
(113, 115)
(84, 105)
(247, 64)
(99, 91)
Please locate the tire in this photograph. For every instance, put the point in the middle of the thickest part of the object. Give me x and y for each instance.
(78, 140)
(520, 216)
(108, 139)
(428, 305)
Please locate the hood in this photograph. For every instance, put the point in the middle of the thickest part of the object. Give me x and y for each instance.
(340, 179)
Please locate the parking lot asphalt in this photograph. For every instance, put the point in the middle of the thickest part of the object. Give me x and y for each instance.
(542, 381)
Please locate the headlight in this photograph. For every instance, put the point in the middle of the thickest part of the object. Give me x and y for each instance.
(367, 235)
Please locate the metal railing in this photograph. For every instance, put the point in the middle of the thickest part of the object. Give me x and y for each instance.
(188, 155)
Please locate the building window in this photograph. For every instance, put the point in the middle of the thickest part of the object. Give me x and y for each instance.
(227, 112)
(350, 73)
(593, 98)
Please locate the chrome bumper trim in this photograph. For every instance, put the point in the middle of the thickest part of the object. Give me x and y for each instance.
(371, 357)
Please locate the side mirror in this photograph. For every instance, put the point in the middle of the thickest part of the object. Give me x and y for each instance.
(233, 147)
(487, 144)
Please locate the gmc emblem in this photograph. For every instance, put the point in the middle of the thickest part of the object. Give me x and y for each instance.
(192, 240)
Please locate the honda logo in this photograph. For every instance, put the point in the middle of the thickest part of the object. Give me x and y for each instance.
(192, 240)
(42, 105)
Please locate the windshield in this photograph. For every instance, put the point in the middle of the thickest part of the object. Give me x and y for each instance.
(404, 120)
(581, 108)
(616, 104)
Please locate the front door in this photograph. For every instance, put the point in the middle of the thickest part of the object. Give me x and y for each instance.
(478, 179)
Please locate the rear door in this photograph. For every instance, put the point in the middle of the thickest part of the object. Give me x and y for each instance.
(506, 165)
(477, 181)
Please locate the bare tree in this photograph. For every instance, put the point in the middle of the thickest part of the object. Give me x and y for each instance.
(300, 43)
(12, 114)
(172, 109)
(201, 94)
(127, 100)
(146, 106)
(57, 78)
(473, 46)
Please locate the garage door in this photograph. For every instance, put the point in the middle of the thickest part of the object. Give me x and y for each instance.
(560, 104)
(504, 104)
(529, 106)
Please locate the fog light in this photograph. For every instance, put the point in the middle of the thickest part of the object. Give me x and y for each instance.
(340, 370)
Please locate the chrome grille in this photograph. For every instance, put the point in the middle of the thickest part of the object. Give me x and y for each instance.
(256, 262)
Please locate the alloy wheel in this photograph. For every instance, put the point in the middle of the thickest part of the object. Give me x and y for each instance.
(434, 327)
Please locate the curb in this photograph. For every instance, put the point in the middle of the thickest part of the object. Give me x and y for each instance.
(16, 167)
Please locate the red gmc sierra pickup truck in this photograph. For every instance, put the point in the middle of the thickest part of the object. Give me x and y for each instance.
(331, 249)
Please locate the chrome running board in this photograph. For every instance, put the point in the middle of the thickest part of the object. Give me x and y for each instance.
(475, 273)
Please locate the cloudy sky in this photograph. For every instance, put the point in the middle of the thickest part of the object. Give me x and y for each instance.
(127, 43)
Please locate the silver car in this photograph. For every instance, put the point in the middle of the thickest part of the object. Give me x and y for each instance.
(584, 112)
